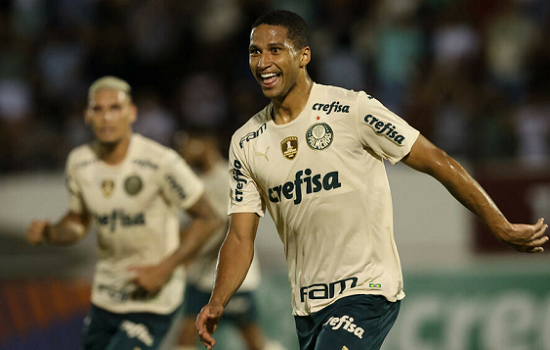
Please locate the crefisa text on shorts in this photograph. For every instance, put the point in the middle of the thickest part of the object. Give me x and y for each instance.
(346, 323)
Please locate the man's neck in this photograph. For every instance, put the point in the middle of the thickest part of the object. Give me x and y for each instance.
(113, 153)
(289, 107)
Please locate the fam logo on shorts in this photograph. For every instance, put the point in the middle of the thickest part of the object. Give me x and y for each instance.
(336, 323)
(133, 185)
(107, 187)
(319, 136)
(289, 147)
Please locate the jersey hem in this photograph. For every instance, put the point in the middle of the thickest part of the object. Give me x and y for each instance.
(138, 308)
(240, 210)
(400, 296)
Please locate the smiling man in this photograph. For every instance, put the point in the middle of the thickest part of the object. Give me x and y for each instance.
(131, 188)
(324, 183)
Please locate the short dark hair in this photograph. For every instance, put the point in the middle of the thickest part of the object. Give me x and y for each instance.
(297, 29)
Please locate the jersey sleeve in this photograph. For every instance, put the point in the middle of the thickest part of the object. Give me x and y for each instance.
(379, 129)
(76, 204)
(179, 184)
(244, 194)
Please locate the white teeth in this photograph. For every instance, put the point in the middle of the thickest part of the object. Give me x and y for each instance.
(268, 75)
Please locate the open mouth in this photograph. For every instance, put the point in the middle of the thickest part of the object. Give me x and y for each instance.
(269, 79)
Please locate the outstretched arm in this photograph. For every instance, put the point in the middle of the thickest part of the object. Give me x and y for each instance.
(70, 229)
(205, 223)
(235, 258)
(427, 158)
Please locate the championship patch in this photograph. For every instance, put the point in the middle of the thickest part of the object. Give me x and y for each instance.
(289, 147)
(107, 187)
(133, 185)
(319, 136)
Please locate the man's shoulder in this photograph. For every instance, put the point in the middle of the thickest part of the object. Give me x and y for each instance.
(253, 127)
(337, 92)
(81, 156)
(151, 152)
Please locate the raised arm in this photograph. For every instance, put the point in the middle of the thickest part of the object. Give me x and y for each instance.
(70, 229)
(427, 158)
(235, 258)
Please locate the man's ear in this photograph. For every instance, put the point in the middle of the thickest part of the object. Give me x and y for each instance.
(305, 56)
(133, 113)
(87, 118)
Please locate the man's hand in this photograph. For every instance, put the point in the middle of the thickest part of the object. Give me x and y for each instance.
(150, 278)
(526, 238)
(36, 233)
(207, 322)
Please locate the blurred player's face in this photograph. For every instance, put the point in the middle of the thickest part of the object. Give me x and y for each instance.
(110, 113)
(274, 61)
(193, 151)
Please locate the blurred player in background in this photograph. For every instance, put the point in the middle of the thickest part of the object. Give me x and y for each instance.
(131, 188)
(315, 157)
(200, 150)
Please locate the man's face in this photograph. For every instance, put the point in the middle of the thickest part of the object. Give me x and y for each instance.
(110, 113)
(274, 61)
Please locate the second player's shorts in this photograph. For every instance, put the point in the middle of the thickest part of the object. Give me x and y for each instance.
(104, 330)
(241, 309)
(354, 322)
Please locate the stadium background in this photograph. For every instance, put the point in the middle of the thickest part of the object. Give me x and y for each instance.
(472, 75)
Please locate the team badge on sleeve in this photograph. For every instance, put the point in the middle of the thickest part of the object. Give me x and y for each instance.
(133, 185)
(319, 136)
(107, 187)
(289, 147)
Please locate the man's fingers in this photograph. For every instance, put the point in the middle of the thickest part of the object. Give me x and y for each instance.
(539, 230)
(206, 326)
(538, 242)
(538, 225)
(207, 345)
(35, 232)
(206, 338)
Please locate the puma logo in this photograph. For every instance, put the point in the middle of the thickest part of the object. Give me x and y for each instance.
(260, 154)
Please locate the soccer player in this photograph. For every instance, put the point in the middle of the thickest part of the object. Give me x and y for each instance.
(324, 183)
(200, 150)
(131, 188)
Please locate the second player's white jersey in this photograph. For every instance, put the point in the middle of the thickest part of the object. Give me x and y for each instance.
(134, 206)
(203, 270)
(323, 179)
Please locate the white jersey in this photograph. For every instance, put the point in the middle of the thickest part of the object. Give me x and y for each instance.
(323, 180)
(203, 271)
(134, 206)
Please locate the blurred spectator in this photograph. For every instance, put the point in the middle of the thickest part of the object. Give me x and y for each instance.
(462, 71)
(154, 120)
(399, 47)
(533, 128)
(60, 62)
(203, 100)
(510, 38)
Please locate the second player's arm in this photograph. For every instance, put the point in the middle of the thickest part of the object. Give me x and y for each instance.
(68, 230)
(234, 261)
(205, 223)
(429, 159)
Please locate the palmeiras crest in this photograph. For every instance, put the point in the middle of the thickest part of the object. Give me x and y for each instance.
(319, 136)
(133, 185)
